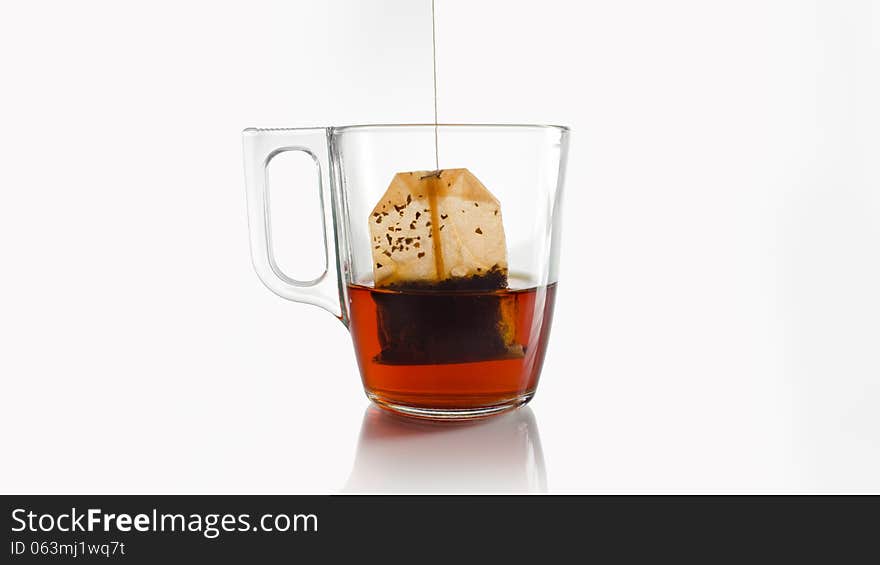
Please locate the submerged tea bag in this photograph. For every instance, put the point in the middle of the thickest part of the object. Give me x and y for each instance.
(438, 229)
(441, 231)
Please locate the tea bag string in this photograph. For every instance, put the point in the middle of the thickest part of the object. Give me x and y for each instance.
(434, 55)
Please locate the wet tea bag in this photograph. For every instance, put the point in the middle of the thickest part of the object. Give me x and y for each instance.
(438, 230)
(441, 231)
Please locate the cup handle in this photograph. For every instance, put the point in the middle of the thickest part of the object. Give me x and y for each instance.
(260, 146)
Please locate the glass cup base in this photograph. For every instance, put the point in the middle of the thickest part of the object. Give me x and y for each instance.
(446, 413)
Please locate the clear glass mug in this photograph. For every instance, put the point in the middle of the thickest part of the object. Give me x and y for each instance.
(441, 353)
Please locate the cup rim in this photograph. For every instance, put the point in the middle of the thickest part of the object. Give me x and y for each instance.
(451, 125)
(356, 127)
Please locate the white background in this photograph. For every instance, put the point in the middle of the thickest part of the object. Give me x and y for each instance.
(718, 320)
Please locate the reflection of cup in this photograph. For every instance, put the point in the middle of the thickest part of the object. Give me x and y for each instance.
(466, 344)
(402, 455)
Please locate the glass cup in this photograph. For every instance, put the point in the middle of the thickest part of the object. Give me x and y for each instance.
(443, 352)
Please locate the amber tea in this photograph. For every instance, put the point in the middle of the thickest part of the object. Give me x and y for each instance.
(450, 348)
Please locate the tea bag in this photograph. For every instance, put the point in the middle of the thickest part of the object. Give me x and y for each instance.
(441, 231)
(438, 230)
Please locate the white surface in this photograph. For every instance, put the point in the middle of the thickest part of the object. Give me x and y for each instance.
(718, 317)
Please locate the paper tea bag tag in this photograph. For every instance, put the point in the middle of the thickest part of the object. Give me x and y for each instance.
(438, 228)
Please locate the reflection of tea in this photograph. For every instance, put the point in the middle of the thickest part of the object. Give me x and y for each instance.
(450, 348)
